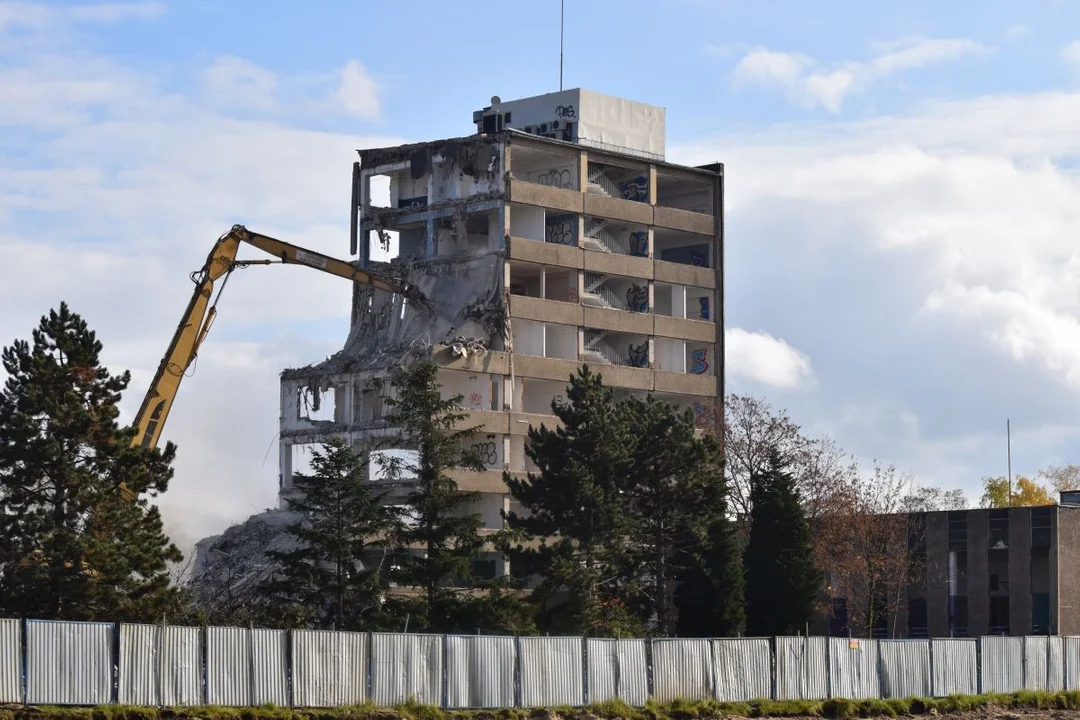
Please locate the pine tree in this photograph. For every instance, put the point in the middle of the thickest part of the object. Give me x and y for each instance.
(441, 537)
(711, 589)
(674, 482)
(336, 577)
(71, 545)
(782, 580)
(579, 512)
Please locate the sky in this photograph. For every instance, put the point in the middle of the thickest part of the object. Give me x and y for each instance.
(902, 250)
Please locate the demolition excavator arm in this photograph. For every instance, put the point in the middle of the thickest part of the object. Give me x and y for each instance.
(202, 309)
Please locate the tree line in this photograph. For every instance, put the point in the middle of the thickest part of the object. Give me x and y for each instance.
(637, 518)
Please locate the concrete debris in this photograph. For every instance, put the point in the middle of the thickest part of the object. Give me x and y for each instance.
(232, 564)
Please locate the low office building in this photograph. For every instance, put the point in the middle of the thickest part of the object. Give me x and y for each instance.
(997, 571)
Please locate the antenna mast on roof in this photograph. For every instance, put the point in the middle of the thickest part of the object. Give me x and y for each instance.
(562, 26)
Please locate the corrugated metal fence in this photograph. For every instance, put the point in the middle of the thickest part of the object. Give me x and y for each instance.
(69, 663)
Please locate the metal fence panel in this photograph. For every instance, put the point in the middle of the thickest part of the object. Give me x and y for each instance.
(743, 669)
(11, 686)
(138, 665)
(479, 672)
(617, 669)
(551, 671)
(956, 669)
(1056, 675)
(1002, 664)
(853, 667)
(270, 662)
(682, 669)
(406, 666)
(1072, 663)
(181, 667)
(228, 666)
(329, 668)
(905, 668)
(800, 668)
(1034, 662)
(68, 663)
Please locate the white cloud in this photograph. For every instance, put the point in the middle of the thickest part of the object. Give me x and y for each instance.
(810, 84)
(929, 265)
(357, 94)
(1071, 55)
(235, 82)
(119, 193)
(760, 357)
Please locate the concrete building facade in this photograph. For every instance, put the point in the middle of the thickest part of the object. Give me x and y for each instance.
(997, 571)
(555, 235)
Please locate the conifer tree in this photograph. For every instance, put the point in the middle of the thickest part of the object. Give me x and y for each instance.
(710, 596)
(441, 537)
(72, 546)
(782, 580)
(336, 577)
(579, 512)
(674, 485)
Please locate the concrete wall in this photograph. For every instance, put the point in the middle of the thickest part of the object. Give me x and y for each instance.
(1068, 579)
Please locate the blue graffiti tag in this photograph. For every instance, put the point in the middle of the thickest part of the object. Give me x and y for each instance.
(639, 356)
(636, 189)
(639, 243)
(704, 307)
(697, 258)
(701, 365)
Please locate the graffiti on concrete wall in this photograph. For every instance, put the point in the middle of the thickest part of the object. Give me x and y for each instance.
(562, 230)
(705, 303)
(701, 415)
(639, 356)
(639, 243)
(557, 178)
(487, 451)
(700, 362)
(637, 298)
(636, 189)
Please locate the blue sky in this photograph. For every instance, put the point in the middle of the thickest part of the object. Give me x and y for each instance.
(902, 262)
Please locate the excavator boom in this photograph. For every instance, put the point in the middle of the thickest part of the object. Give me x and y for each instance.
(201, 311)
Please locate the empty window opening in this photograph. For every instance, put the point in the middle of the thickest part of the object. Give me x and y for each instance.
(671, 355)
(682, 248)
(473, 390)
(465, 235)
(526, 279)
(613, 236)
(527, 222)
(615, 292)
(545, 167)
(608, 347)
(316, 404)
(537, 395)
(617, 181)
(684, 193)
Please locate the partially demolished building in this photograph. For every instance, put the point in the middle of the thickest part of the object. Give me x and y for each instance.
(555, 235)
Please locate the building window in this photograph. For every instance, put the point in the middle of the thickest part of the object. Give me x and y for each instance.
(958, 616)
(1040, 613)
(957, 530)
(918, 625)
(999, 528)
(838, 617)
(1040, 526)
(999, 615)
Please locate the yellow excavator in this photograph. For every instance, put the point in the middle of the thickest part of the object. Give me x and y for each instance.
(202, 309)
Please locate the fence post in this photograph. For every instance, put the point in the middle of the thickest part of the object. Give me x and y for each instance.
(931, 684)
(714, 683)
(518, 698)
(828, 668)
(773, 670)
(159, 666)
(650, 668)
(979, 665)
(369, 676)
(586, 688)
